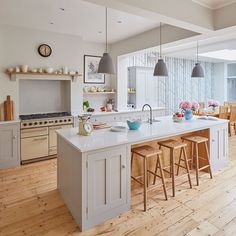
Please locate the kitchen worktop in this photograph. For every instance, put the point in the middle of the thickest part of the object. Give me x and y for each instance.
(9, 122)
(100, 113)
(105, 138)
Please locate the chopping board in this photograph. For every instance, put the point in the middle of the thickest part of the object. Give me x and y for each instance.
(8, 109)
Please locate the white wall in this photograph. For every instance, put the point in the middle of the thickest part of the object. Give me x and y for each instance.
(19, 46)
(220, 82)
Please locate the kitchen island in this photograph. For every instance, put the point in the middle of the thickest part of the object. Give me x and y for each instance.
(94, 171)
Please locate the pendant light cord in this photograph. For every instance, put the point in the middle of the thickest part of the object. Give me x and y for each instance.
(106, 29)
(197, 52)
(160, 43)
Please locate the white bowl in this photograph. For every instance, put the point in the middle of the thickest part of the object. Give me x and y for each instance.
(49, 70)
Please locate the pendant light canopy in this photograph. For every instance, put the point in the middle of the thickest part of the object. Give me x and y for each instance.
(106, 65)
(198, 71)
(160, 68)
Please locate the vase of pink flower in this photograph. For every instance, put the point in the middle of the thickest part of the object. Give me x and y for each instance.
(213, 104)
(188, 108)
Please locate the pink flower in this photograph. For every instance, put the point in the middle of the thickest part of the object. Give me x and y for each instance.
(213, 103)
(195, 106)
(185, 105)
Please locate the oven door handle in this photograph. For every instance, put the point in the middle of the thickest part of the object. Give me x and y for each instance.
(55, 128)
(38, 139)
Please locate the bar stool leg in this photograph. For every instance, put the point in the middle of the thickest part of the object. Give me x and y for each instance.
(208, 159)
(155, 177)
(180, 158)
(192, 155)
(145, 183)
(197, 163)
(187, 167)
(172, 171)
(162, 176)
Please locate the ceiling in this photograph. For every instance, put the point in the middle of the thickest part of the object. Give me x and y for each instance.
(77, 18)
(214, 4)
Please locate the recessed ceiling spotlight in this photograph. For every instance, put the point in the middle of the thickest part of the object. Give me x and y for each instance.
(51, 23)
(100, 32)
(119, 22)
(61, 8)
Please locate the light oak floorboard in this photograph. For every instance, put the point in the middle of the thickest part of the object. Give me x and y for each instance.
(30, 204)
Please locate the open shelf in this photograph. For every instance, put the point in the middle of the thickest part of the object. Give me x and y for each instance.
(13, 75)
(98, 93)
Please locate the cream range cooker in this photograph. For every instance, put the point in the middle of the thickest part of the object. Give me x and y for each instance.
(38, 134)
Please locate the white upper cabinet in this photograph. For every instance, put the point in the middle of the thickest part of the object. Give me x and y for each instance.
(145, 84)
(9, 145)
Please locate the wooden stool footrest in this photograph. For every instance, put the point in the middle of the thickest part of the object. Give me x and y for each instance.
(204, 167)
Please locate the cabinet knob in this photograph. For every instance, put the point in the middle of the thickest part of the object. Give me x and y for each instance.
(213, 140)
(14, 137)
(123, 166)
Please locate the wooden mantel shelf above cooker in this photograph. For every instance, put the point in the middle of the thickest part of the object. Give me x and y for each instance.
(43, 76)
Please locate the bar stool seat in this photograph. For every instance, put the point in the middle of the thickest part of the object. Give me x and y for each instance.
(172, 144)
(195, 141)
(175, 145)
(146, 152)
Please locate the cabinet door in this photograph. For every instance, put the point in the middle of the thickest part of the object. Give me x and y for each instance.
(9, 146)
(107, 176)
(219, 146)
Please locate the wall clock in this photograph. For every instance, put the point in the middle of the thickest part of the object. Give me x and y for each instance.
(44, 50)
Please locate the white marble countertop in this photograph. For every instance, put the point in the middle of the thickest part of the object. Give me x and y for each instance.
(105, 138)
(100, 113)
(9, 122)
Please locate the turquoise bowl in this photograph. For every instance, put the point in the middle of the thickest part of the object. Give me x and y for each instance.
(134, 125)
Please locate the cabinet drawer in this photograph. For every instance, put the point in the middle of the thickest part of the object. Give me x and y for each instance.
(34, 147)
(26, 133)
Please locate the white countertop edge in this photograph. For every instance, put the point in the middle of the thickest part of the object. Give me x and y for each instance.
(100, 113)
(9, 122)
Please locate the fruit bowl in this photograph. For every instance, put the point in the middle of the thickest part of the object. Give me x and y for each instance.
(178, 117)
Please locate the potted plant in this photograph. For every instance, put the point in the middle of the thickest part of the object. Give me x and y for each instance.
(188, 107)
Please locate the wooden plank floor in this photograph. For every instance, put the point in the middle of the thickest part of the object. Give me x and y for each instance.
(31, 205)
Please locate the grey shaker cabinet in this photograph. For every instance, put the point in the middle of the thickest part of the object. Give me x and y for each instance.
(9, 145)
(107, 181)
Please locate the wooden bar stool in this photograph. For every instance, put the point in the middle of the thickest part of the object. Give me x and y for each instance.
(146, 152)
(195, 141)
(175, 145)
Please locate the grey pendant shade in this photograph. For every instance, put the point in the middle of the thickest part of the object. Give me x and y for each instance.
(160, 68)
(198, 71)
(106, 65)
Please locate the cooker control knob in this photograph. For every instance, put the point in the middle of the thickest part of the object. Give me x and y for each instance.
(40, 122)
(60, 121)
(45, 122)
(25, 124)
(35, 123)
(69, 120)
(30, 124)
(56, 121)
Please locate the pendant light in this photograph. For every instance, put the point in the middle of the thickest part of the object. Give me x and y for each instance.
(160, 68)
(198, 71)
(106, 64)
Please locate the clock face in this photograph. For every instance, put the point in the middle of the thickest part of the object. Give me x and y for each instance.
(88, 128)
(44, 50)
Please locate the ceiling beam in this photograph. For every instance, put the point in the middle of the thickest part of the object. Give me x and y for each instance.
(182, 13)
